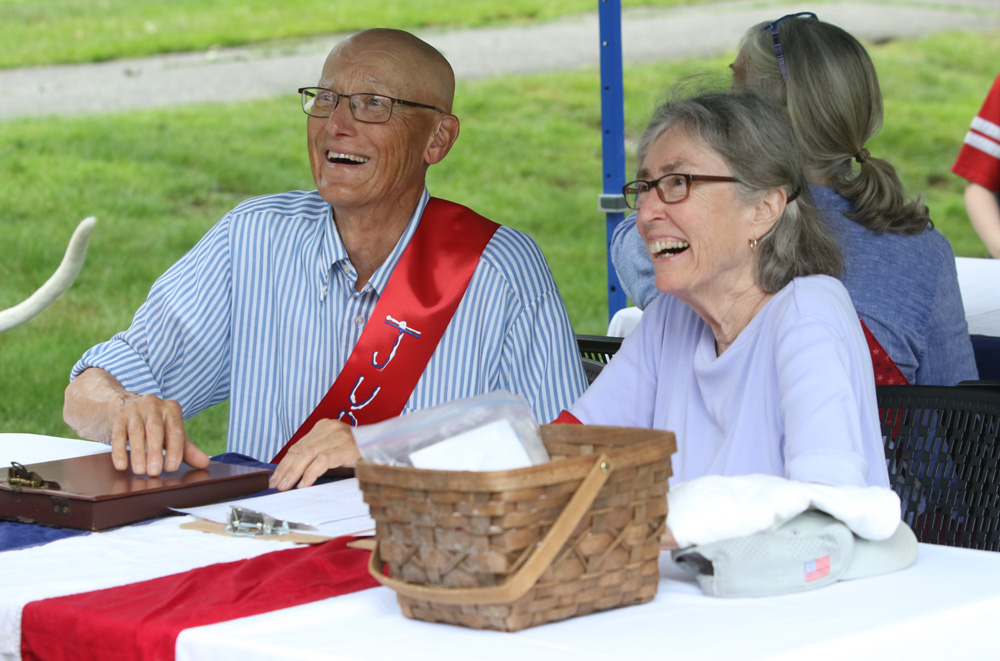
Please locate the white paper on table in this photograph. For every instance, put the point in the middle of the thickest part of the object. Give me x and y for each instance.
(334, 509)
(490, 447)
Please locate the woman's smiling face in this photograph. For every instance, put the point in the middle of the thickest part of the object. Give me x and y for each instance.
(699, 246)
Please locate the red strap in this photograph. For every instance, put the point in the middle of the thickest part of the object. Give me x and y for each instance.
(409, 319)
(566, 418)
(142, 620)
(886, 371)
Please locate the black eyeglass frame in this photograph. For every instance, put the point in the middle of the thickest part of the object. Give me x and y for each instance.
(655, 183)
(778, 51)
(313, 91)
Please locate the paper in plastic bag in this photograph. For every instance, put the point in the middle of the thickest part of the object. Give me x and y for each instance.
(495, 431)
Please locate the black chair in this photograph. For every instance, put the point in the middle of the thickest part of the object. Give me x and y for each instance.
(992, 384)
(942, 448)
(595, 352)
(592, 368)
(598, 347)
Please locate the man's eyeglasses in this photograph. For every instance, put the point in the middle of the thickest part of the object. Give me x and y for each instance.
(672, 188)
(777, 40)
(369, 108)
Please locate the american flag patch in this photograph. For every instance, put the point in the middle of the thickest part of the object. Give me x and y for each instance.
(817, 569)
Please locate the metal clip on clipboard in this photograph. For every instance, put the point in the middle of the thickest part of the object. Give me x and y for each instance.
(244, 522)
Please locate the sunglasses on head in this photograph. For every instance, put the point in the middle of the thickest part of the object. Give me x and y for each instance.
(777, 41)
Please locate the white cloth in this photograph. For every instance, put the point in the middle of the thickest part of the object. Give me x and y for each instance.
(794, 395)
(712, 508)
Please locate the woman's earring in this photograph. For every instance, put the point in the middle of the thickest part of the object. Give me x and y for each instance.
(753, 245)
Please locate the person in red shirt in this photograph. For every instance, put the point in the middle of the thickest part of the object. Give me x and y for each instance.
(979, 163)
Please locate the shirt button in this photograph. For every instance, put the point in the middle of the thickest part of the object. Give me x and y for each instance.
(359, 320)
(324, 289)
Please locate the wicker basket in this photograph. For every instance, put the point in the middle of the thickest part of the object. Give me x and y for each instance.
(513, 549)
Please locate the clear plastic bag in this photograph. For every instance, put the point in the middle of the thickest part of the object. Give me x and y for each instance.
(496, 431)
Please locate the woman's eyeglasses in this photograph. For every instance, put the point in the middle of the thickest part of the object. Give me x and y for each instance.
(672, 188)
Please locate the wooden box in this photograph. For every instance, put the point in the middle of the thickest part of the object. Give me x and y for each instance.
(90, 494)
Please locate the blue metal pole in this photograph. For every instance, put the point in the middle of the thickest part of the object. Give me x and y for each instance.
(613, 135)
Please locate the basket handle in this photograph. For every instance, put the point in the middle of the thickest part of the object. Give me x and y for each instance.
(524, 578)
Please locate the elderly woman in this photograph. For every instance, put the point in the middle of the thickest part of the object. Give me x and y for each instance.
(825, 83)
(757, 360)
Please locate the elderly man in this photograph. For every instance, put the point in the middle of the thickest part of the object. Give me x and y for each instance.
(399, 300)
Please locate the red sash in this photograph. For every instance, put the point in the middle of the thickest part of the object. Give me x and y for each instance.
(886, 370)
(409, 319)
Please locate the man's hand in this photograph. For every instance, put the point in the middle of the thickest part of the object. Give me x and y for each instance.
(329, 444)
(99, 408)
(143, 427)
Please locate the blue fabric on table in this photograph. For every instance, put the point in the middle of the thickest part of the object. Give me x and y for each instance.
(17, 535)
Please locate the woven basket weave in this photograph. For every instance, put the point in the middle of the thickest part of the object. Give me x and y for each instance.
(513, 549)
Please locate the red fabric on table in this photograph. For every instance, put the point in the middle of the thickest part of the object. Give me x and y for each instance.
(142, 620)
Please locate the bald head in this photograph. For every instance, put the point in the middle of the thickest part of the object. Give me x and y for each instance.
(405, 65)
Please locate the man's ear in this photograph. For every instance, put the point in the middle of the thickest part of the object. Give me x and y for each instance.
(769, 209)
(441, 140)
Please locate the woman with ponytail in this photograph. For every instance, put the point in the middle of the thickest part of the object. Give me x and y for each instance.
(899, 270)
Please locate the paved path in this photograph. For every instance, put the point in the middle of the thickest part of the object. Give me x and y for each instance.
(266, 71)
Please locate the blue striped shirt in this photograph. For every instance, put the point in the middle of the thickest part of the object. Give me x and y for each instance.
(263, 311)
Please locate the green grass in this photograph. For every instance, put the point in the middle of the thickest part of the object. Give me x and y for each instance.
(37, 32)
(529, 157)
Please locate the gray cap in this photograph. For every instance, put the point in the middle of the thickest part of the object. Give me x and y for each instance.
(810, 551)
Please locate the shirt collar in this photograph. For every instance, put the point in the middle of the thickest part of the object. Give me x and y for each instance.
(381, 276)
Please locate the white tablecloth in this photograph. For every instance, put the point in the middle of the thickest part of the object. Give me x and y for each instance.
(944, 606)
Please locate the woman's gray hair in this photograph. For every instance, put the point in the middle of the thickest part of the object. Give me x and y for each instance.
(833, 101)
(751, 135)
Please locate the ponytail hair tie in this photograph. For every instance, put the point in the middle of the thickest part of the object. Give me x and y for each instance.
(862, 155)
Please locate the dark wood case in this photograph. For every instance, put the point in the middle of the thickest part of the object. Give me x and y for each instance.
(92, 495)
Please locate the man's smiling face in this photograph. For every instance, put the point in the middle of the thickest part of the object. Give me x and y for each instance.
(356, 164)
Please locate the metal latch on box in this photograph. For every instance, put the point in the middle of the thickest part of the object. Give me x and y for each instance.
(244, 522)
(19, 477)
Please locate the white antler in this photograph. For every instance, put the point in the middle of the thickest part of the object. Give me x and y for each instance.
(55, 286)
